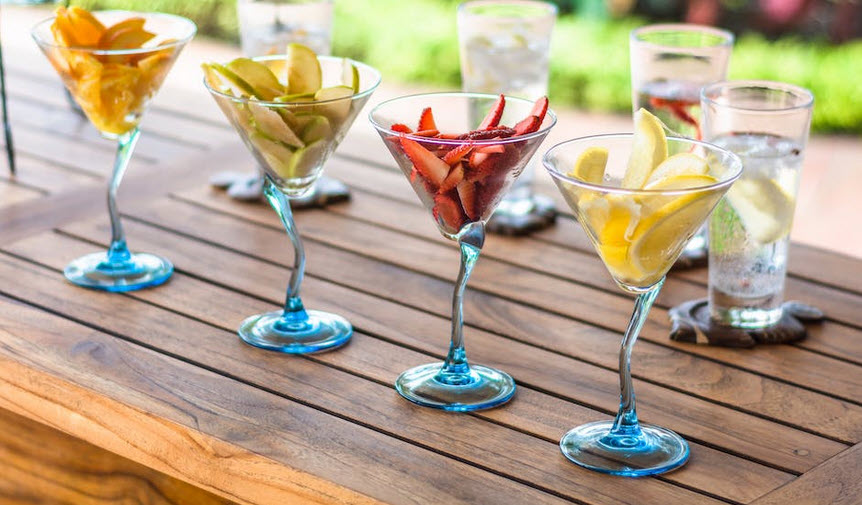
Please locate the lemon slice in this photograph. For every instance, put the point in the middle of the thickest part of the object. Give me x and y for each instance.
(648, 151)
(765, 209)
(613, 234)
(590, 166)
(682, 181)
(660, 235)
(678, 164)
(303, 70)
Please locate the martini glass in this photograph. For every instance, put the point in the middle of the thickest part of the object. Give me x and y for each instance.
(460, 213)
(290, 173)
(113, 88)
(638, 235)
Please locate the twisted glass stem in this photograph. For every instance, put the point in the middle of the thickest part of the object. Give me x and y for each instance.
(295, 317)
(471, 239)
(119, 252)
(626, 422)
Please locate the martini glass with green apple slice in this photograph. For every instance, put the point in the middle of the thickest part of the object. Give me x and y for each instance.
(291, 130)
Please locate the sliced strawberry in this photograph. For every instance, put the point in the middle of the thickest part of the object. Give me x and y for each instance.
(457, 153)
(492, 119)
(492, 149)
(455, 176)
(426, 133)
(429, 166)
(447, 210)
(500, 131)
(426, 120)
(490, 191)
(540, 108)
(528, 125)
(400, 128)
(467, 194)
(449, 136)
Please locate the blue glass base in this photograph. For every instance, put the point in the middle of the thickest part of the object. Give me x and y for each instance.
(656, 450)
(140, 271)
(320, 331)
(479, 388)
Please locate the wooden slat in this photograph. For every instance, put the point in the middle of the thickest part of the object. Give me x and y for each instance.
(761, 440)
(824, 415)
(48, 177)
(163, 413)
(11, 193)
(42, 465)
(514, 454)
(835, 482)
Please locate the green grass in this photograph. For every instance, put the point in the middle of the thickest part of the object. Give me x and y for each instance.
(416, 41)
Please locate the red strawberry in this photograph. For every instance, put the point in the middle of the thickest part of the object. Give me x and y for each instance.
(467, 194)
(449, 136)
(429, 166)
(528, 125)
(426, 133)
(447, 210)
(456, 154)
(490, 133)
(400, 128)
(426, 120)
(540, 108)
(492, 149)
(455, 176)
(492, 119)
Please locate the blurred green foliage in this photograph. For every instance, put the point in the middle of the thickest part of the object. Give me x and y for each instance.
(416, 41)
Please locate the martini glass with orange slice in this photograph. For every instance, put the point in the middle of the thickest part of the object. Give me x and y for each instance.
(113, 63)
(460, 170)
(639, 198)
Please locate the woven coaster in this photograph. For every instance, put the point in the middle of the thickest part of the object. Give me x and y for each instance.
(691, 323)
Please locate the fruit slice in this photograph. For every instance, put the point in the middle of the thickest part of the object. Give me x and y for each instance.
(259, 78)
(222, 79)
(682, 181)
(124, 34)
(649, 149)
(271, 124)
(492, 119)
(350, 76)
(400, 128)
(765, 209)
(613, 224)
(540, 108)
(305, 161)
(456, 175)
(317, 128)
(457, 154)
(88, 30)
(338, 109)
(590, 166)
(467, 194)
(275, 154)
(303, 70)
(678, 164)
(527, 125)
(447, 210)
(295, 98)
(426, 163)
(426, 120)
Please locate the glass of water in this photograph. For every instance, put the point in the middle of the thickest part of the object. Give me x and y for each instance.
(505, 48)
(670, 63)
(268, 26)
(766, 124)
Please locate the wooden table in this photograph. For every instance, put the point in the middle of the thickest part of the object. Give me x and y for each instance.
(151, 396)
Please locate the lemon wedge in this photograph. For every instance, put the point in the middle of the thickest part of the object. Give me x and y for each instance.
(590, 166)
(613, 234)
(678, 164)
(649, 149)
(765, 209)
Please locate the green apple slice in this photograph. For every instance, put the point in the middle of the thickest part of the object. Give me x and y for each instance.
(303, 70)
(259, 78)
(317, 128)
(338, 109)
(222, 79)
(350, 76)
(295, 98)
(276, 155)
(305, 161)
(271, 124)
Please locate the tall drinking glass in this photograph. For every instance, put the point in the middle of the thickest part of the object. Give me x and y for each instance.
(505, 48)
(670, 63)
(766, 124)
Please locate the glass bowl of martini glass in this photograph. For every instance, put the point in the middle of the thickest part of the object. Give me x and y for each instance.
(639, 198)
(113, 63)
(460, 169)
(291, 111)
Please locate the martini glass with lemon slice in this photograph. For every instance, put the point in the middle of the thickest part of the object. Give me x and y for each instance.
(113, 63)
(639, 198)
(292, 111)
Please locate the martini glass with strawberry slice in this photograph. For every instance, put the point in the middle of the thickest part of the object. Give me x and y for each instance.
(460, 170)
(639, 198)
(113, 63)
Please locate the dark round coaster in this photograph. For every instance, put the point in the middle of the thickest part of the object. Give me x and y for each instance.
(249, 187)
(691, 323)
(540, 215)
